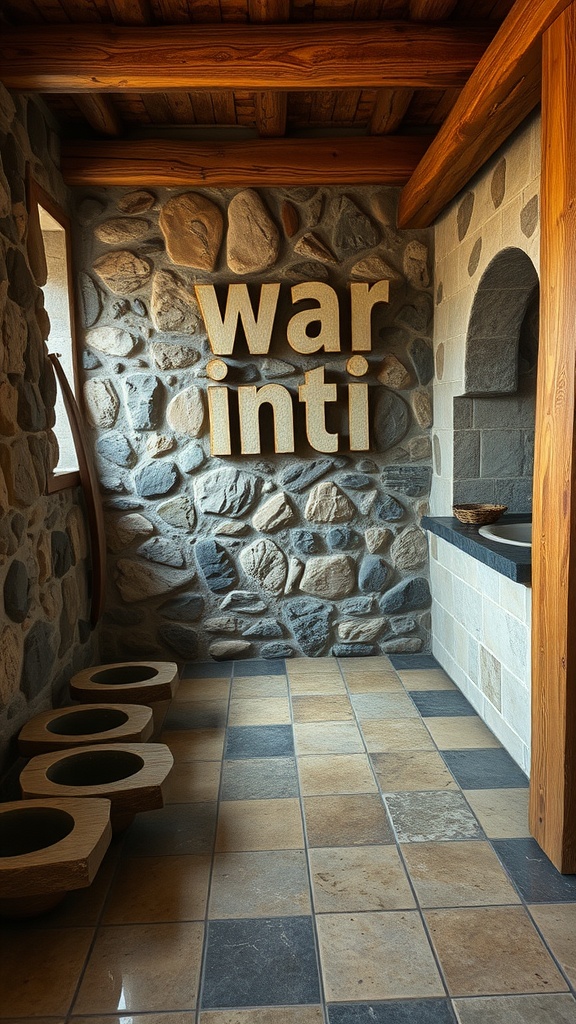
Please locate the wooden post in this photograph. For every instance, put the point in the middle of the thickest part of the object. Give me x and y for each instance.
(553, 782)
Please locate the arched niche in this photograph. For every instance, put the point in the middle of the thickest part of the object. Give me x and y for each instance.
(494, 419)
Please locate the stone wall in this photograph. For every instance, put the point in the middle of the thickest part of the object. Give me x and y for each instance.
(274, 555)
(44, 605)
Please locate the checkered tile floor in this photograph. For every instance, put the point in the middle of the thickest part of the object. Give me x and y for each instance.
(344, 842)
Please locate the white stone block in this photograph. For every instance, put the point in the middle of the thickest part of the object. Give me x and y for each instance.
(513, 598)
(506, 637)
(516, 705)
(508, 738)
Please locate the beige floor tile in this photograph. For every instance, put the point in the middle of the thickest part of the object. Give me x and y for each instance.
(545, 1009)
(192, 781)
(389, 734)
(328, 738)
(273, 883)
(317, 683)
(426, 679)
(264, 711)
(346, 821)
(143, 967)
(557, 922)
(378, 706)
(83, 907)
(492, 950)
(411, 771)
(39, 969)
(464, 874)
(376, 956)
(259, 686)
(203, 689)
(195, 744)
(153, 889)
(503, 813)
(310, 666)
(460, 733)
(327, 708)
(375, 663)
(265, 1015)
(359, 878)
(336, 773)
(259, 825)
(373, 682)
(149, 1018)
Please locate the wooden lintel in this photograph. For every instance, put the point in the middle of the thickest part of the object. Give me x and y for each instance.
(342, 55)
(389, 110)
(501, 92)
(272, 162)
(553, 775)
(100, 113)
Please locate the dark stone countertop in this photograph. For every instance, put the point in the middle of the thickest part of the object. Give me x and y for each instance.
(507, 559)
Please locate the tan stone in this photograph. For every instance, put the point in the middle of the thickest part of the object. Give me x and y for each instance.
(123, 272)
(230, 528)
(137, 581)
(253, 240)
(419, 448)
(377, 537)
(128, 529)
(44, 557)
(265, 563)
(159, 444)
(76, 529)
(14, 338)
(422, 406)
(51, 600)
(136, 202)
(224, 649)
(102, 402)
(19, 475)
(185, 413)
(119, 230)
(360, 630)
(273, 514)
(290, 218)
(330, 576)
(416, 264)
(374, 268)
(172, 306)
(173, 357)
(221, 624)
(393, 373)
(8, 409)
(112, 340)
(410, 549)
(313, 248)
(328, 504)
(295, 570)
(192, 226)
(10, 663)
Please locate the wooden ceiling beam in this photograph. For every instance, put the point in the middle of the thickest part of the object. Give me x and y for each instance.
(100, 113)
(501, 92)
(131, 12)
(389, 110)
(342, 55)
(271, 107)
(431, 10)
(270, 162)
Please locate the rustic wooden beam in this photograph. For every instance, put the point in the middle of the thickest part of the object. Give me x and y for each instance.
(131, 12)
(342, 55)
(270, 162)
(499, 94)
(553, 776)
(271, 107)
(431, 10)
(389, 110)
(100, 113)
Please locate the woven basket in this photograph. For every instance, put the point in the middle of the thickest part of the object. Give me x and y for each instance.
(478, 515)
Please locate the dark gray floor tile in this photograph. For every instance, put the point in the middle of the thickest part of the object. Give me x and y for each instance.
(179, 719)
(262, 962)
(176, 829)
(433, 816)
(207, 670)
(414, 661)
(260, 778)
(485, 769)
(405, 1011)
(441, 703)
(259, 667)
(259, 741)
(535, 877)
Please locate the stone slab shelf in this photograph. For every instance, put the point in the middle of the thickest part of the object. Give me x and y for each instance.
(510, 561)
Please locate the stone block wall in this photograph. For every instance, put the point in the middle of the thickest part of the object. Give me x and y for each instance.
(44, 603)
(275, 555)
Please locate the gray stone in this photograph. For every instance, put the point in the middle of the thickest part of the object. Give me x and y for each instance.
(409, 549)
(123, 616)
(90, 361)
(403, 645)
(136, 202)
(339, 538)
(265, 628)
(330, 576)
(253, 240)
(354, 650)
(308, 272)
(415, 264)
(466, 462)
(411, 480)
(21, 285)
(403, 624)
(373, 574)
(272, 369)
(187, 608)
(357, 606)
(173, 306)
(138, 581)
(114, 341)
(191, 458)
(89, 209)
(163, 550)
(391, 420)
(328, 504)
(375, 268)
(227, 492)
(298, 478)
(69, 616)
(154, 479)
(121, 230)
(440, 353)
(389, 510)
(437, 455)
(91, 300)
(144, 393)
(102, 402)
(474, 258)
(406, 596)
(16, 592)
(246, 601)
(529, 217)
(220, 624)
(39, 656)
(123, 272)
(502, 453)
(416, 317)
(216, 565)
(127, 529)
(265, 563)
(31, 409)
(309, 621)
(173, 357)
(275, 513)
(111, 480)
(120, 308)
(367, 466)
(192, 226)
(355, 231)
(277, 650)
(464, 215)
(422, 356)
(355, 481)
(181, 639)
(312, 247)
(62, 554)
(139, 307)
(305, 542)
(185, 413)
(498, 183)
(116, 447)
(224, 650)
(363, 631)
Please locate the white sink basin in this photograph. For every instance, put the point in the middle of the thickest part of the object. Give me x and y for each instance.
(519, 534)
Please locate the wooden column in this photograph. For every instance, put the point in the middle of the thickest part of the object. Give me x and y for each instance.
(553, 782)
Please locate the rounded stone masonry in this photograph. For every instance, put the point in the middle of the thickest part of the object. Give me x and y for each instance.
(83, 725)
(47, 849)
(130, 775)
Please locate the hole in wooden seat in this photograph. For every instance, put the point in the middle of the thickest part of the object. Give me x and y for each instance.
(82, 723)
(95, 768)
(32, 828)
(124, 675)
